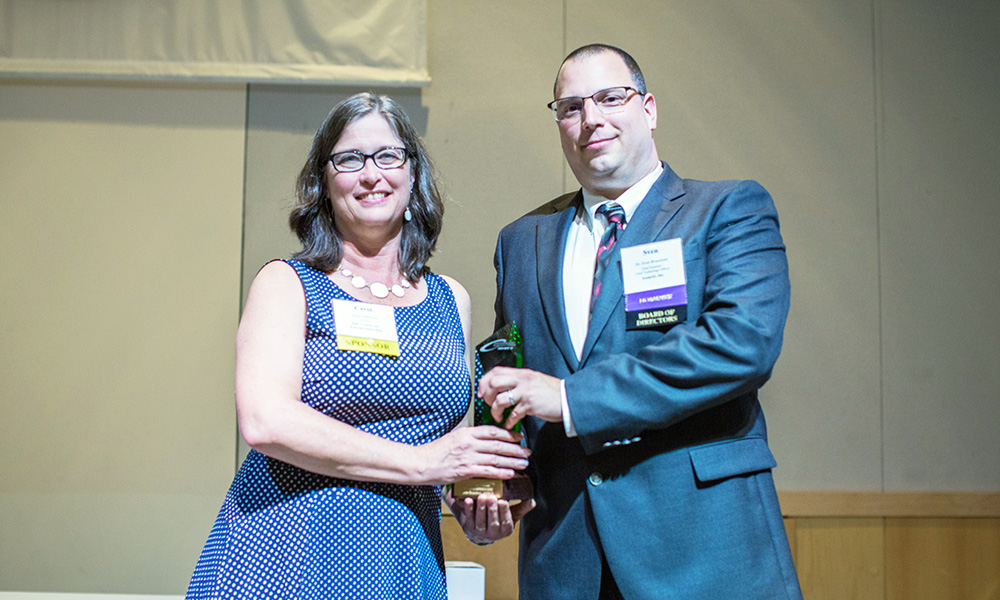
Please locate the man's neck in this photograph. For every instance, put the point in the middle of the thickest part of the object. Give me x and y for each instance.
(611, 189)
(629, 199)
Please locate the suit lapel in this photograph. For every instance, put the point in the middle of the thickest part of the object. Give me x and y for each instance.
(646, 225)
(550, 247)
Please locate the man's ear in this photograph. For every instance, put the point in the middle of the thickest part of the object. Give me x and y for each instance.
(649, 107)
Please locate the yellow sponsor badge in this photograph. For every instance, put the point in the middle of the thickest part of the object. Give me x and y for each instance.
(364, 327)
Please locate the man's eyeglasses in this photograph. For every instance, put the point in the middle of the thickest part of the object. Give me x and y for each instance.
(352, 160)
(608, 101)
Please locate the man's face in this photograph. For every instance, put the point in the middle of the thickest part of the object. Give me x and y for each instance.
(607, 153)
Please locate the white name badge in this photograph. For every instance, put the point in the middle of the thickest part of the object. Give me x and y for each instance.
(364, 327)
(655, 288)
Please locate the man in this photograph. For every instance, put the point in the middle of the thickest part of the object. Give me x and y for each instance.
(649, 455)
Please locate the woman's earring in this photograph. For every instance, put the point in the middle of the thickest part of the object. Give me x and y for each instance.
(407, 215)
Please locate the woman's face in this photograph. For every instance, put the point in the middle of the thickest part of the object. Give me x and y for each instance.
(372, 197)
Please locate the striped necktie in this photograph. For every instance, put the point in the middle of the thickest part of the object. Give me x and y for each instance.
(614, 214)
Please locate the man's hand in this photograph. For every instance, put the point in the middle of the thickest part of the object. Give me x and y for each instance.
(528, 392)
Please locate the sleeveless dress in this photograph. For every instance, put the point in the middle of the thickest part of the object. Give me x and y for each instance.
(284, 532)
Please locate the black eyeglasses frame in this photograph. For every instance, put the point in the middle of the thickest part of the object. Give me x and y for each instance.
(364, 159)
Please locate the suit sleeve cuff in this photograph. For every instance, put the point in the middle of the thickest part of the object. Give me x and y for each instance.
(567, 418)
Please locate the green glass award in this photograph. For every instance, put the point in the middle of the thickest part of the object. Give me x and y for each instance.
(503, 348)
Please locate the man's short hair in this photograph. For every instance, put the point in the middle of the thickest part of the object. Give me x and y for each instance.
(592, 49)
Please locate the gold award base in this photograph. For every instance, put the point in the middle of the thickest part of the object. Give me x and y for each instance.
(471, 488)
(512, 490)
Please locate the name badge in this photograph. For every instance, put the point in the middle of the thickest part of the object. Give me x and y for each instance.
(655, 288)
(364, 327)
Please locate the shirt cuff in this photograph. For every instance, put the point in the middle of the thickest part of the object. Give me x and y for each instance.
(568, 426)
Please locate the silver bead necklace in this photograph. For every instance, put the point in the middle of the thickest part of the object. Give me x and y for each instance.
(375, 288)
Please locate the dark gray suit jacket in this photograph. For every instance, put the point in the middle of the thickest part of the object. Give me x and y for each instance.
(669, 476)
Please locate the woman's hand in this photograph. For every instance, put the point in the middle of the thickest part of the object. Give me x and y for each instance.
(483, 451)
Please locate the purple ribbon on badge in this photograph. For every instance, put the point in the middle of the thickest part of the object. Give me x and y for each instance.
(650, 299)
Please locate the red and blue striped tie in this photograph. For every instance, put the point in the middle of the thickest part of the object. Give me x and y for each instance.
(614, 214)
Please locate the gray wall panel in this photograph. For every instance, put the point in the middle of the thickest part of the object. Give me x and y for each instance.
(783, 92)
(940, 211)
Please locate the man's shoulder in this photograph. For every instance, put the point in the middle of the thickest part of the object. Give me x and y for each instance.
(745, 194)
(547, 210)
(555, 205)
(721, 186)
(673, 185)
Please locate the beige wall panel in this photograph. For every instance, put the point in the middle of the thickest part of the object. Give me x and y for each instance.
(942, 559)
(939, 216)
(281, 123)
(782, 92)
(839, 559)
(500, 558)
(121, 242)
(495, 143)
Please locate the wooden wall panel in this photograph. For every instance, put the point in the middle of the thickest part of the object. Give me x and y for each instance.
(942, 559)
(888, 504)
(791, 531)
(839, 559)
(861, 556)
(500, 559)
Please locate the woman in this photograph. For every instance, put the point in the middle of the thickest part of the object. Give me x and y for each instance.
(340, 496)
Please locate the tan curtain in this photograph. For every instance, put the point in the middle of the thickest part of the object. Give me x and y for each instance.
(292, 41)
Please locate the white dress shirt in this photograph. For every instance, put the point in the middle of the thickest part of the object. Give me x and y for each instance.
(579, 260)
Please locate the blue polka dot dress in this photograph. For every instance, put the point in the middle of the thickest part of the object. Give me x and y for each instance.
(284, 532)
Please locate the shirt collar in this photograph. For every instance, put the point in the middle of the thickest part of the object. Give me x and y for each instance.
(629, 200)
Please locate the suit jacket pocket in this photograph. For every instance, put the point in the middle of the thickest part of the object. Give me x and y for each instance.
(722, 460)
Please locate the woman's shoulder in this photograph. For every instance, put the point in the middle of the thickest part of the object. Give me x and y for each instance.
(306, 274)
(456, 288)
(462, 300)
(463, 304)
(277, 275)
(276, 290)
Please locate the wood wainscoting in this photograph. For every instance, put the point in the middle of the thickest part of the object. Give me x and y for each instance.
(894, 546)
(846, 546)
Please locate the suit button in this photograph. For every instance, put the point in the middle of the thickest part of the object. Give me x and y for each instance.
(595, 479)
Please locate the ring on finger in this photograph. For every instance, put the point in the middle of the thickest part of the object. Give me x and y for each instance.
(510, 398)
